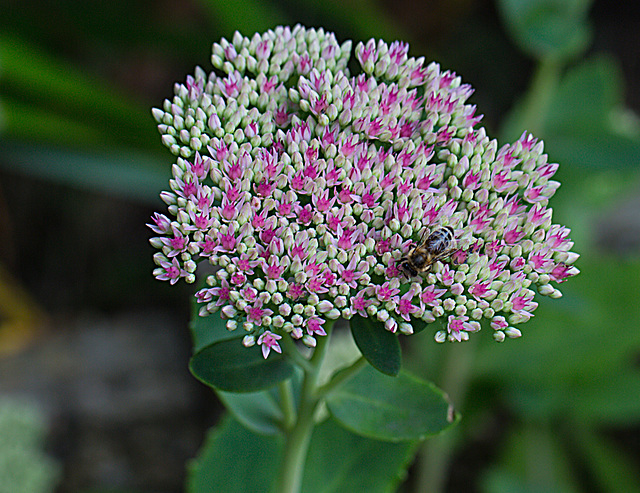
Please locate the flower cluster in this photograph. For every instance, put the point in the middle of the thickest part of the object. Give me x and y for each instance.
(306, 186)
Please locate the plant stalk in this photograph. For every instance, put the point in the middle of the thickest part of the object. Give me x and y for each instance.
(297, 438)
(539, 95)
(436, 454)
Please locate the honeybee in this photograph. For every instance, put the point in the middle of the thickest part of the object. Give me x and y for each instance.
(432, 247)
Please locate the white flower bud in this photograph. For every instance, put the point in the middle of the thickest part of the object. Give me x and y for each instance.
(340, 302)
(497, 304)
(324, 306)
(449, 304)
(512, 332)
(333, 314)
(228, 311)
(284, 309)
(556, 294)
(571, 258)
(428, 317)
(546, 289)
(440, 336)
(382, 315)
(476, 313)
(405, 328)
(309, 341)
(499, 336)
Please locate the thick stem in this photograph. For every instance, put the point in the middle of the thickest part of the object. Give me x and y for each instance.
(298, 437)
(287, 404)
(437, 452)
(341, 376)
(543, 87)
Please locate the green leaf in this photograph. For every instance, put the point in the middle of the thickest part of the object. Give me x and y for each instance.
(380, 347)
(611, 398)
(593, 152)
(36, 78)
(586, 96)
(234, 460)
(390, 408)
(230, 366)
(598, 380)
(362, 464)
(548, 28)
(612, 470)
(584, 125)
(256, 411)
(130, 175)
(29, 123)
(534, 460)
(222, 362)
(246, 16)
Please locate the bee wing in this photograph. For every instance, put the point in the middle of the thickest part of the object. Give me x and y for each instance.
(447, 253)
(425, 235)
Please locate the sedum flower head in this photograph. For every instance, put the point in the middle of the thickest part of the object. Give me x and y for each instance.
(305, 186)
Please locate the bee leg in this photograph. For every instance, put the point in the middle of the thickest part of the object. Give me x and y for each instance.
(407, 269)
(445, 255)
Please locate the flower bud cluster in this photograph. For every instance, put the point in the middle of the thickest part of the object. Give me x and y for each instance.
(307, 187)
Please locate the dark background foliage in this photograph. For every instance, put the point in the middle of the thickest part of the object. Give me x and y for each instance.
(94, 341)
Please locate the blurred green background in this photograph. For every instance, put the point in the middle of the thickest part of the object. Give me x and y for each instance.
(100, 348)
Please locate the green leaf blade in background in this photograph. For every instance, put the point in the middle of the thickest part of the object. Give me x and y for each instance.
(555, 29)
(117, 172)
(598, 381)
(612, 470)
(33, 77)
(246, 16)
(587, 94)
(390, 408)
(585, 126)
(533, 459)
(380, 347)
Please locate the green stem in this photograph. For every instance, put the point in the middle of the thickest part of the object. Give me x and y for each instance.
(437, 452)
(341, 376)
(292, 352)
(288, 405)
(298, 437)
(538, 98)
